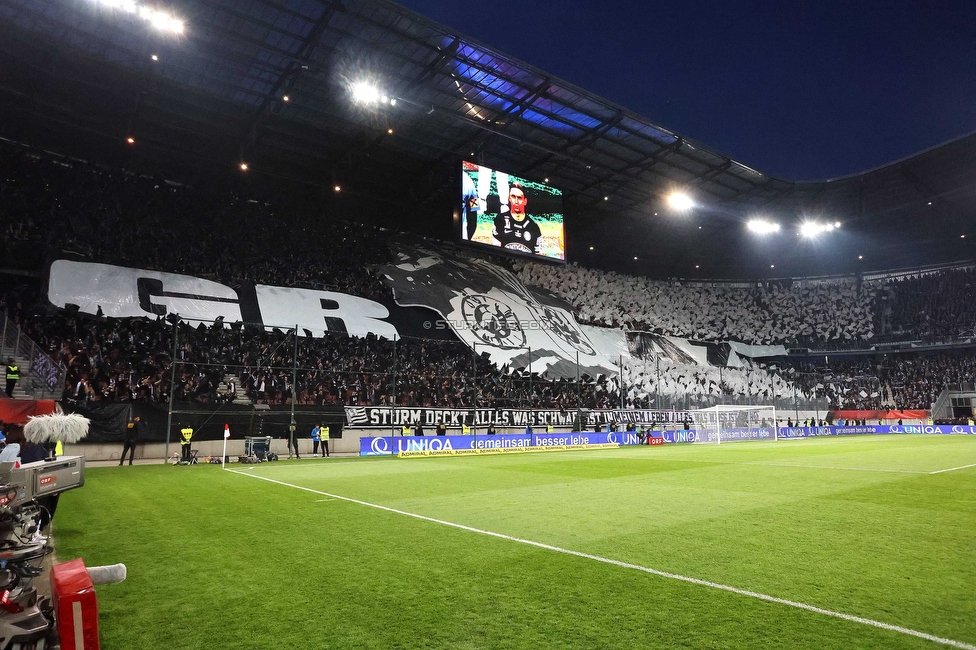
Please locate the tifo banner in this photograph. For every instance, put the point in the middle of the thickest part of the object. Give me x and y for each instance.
(394, 445)
(385, 416)
(491, 310)
(437, 296)
(132, 293)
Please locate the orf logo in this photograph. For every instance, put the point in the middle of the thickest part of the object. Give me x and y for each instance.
(48, 480)
(379, 446)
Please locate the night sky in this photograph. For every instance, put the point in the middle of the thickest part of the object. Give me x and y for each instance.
(799, 89)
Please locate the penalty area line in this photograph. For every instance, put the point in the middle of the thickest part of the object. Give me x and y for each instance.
(635, 567)
(952, 469)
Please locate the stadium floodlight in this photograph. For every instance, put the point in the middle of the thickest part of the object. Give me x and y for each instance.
(365, 93)
(811, 229)
(159, 19)
(680, 201)
(762, 227)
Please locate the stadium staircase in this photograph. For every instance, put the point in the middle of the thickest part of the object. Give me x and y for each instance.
(40, 376)
(240, 396)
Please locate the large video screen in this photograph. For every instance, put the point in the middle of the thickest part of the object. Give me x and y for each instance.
(503, 210)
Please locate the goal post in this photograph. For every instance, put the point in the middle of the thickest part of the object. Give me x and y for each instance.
(732, 423)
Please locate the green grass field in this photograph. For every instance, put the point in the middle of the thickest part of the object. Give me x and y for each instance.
(858, 526)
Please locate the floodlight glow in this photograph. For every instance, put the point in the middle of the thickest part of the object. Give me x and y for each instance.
(365, 93)
(811, 229)
(243, 166)
(762, 227)
(159, 19)
(680, 201)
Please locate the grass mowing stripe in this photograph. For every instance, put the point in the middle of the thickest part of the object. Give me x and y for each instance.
(636, 567)
(952, 469)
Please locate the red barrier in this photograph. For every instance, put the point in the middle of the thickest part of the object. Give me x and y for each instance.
(75, 606)
(16, 411)
(881, 415)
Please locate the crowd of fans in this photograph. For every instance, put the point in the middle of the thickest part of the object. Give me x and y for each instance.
(652, 382)
(932, 307)
(768, 313)
(117, 217)
(903, 381)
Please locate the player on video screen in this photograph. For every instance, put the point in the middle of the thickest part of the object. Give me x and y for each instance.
(514, 229)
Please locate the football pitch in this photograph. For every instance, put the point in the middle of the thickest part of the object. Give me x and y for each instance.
(866, 542)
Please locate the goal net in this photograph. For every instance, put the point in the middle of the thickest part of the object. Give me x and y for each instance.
(728, 423)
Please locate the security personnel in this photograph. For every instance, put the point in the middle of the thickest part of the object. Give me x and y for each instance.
(441, 428)
(465, 430)
(324, 433)
(316, 438)
(549, 428)
(13, 374)
(491, 429)
(404, 430)
(186, 434)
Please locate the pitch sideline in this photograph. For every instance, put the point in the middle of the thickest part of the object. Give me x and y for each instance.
(636, 567)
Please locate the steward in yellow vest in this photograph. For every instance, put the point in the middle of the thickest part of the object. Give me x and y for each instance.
(186, 434)
(13, 374)
(324, 434)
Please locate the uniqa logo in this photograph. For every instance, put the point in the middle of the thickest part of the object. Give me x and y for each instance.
(612, 437)
(380, 446)
(423, 444)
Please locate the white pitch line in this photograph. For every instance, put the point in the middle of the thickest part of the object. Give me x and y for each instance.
(952, 469)
(636, 567)
(851, 469)
(757, 464)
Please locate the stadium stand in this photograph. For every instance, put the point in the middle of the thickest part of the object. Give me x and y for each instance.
(113, 216)
(761, 313)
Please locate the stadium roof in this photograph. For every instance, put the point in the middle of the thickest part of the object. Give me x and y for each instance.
(213, 96)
